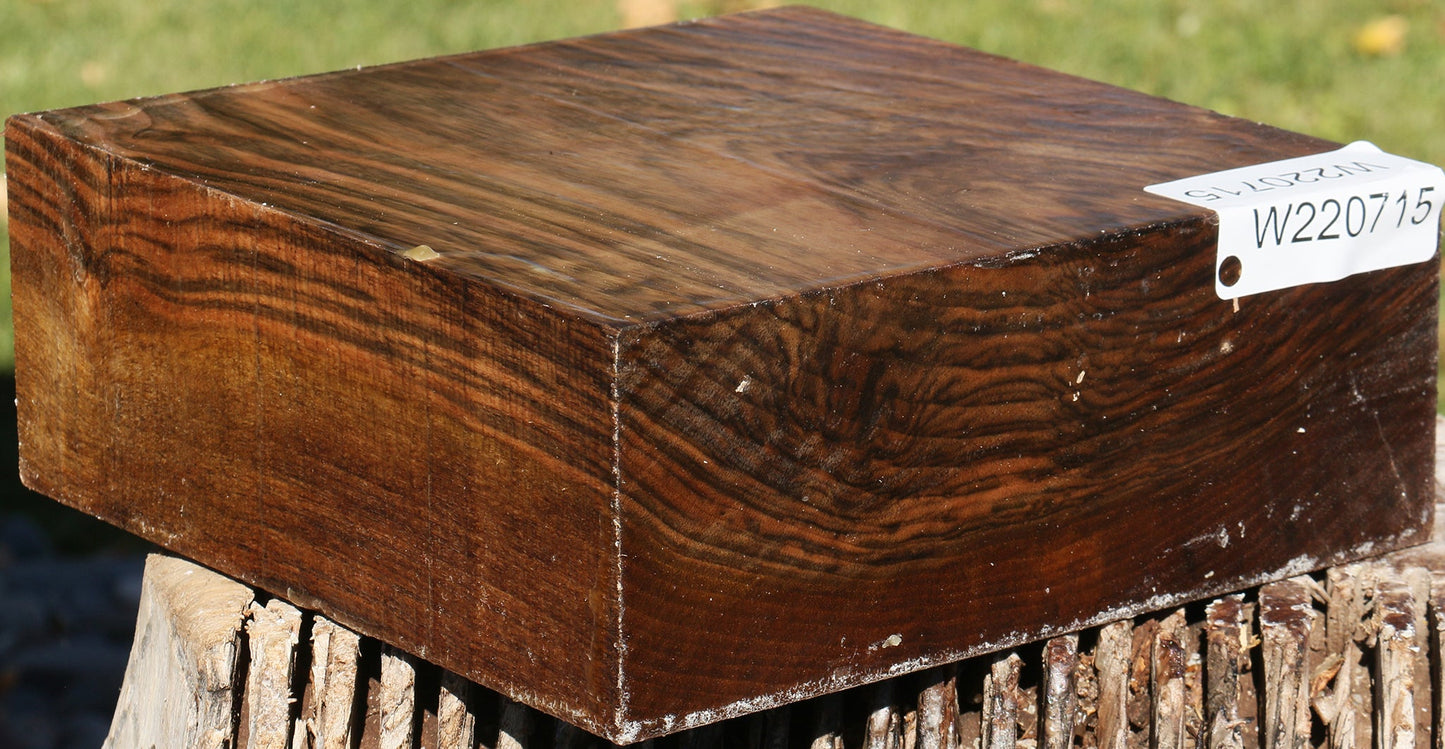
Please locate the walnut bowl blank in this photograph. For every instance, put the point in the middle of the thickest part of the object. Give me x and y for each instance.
(661, 376)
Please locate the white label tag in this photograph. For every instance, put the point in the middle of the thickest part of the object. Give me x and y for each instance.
(1316, 218)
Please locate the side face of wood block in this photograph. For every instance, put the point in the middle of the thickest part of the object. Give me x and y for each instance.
(759, 358)
(1105, 439)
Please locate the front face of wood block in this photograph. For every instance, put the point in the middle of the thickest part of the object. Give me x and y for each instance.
(328, 422)
(760, 357)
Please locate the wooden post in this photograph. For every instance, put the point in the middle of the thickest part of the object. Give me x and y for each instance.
(1395, 651)
(180, 685)
(938, 710)
(1343, 695)
(1061, 698)
(1227, 638)
(1286, 619)
(327, 703)
(1113, 663)
(274, 631)
(1176, 674)
(1001, 703)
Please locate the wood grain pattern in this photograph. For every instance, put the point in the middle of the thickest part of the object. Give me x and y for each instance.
(384, 523)
(893, 713)
(744, 342)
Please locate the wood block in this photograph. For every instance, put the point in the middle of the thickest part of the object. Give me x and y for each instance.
(672, 374)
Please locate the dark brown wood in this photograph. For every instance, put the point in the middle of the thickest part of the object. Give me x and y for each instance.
(1365, 611)
(662, 376)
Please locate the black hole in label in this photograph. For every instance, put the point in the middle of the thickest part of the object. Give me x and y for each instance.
(1229, 271)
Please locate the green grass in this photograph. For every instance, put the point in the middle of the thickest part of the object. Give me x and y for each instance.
(1292, 65)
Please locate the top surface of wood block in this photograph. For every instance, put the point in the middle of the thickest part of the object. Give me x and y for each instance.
(660, 172)
(760, 357)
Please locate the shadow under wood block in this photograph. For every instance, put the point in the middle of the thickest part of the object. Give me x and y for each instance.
(668, 375)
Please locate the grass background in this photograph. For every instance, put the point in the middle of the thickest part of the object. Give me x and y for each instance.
(1341, 69)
